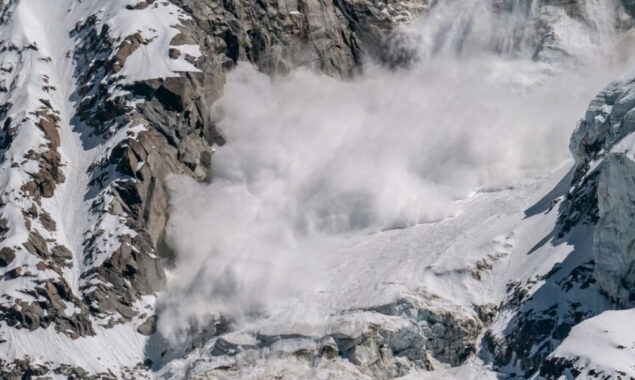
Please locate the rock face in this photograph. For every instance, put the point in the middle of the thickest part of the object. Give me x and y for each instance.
(540, 312)
(630, 6)
(175, 112)
(382, 342)
(597, 218)
(330, 36)
(602, 146)
(101, 101)
(115, 104)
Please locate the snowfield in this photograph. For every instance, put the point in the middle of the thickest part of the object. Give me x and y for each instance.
(433, 264)
(425, 222)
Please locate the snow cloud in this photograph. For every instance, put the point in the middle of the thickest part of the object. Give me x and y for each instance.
(311, 160)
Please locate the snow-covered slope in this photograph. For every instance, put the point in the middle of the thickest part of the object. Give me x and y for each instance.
(418, 218)
(429, 227)
(52, 213)
(428, 290)
(100, 102)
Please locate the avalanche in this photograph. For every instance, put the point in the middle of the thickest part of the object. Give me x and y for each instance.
(430, 209)
(421, 218)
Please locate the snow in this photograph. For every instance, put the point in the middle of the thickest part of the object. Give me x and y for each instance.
(46, 71)
(156, 23)
(626, 146)
(431, 264)
(111, 349)
(454, 259)
(603, 343)
(473, 370)
(438, 256)
(47, 25)
(428, 264)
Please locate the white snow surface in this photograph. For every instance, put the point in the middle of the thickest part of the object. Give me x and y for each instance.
(111, 349)
(626, 146)
(333, 196)
(422, 244)
(429, 264)
(603, 343)
(41, 68)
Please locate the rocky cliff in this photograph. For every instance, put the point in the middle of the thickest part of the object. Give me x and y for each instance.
(101, 102)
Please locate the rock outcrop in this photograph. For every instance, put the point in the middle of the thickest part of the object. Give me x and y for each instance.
(596, 218)
(105, 121)
(329, 36)
(602, 146)
(98, 106)
(381, 342)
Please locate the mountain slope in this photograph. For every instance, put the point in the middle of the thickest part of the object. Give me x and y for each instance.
(97, 110)
(386, 220)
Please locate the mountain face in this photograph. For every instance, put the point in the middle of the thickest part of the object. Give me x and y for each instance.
(100, 103)
(121, 119)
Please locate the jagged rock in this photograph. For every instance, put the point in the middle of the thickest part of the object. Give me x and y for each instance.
(6, 256)
(450, 337)
(130, 272)
(72, 372)
(21, 369)
(12, 274)
(554, 368)
(48, 125)
(381, 342)
(600, 195)
(51, 307)
(140, 5)
(43, 182)
(224, 346)
(127, 47)
(630, 6)
(127, 184)
(174, 53)
(61, 255)
(149, 326)
(37, 245)
(275, 35)
(614, 242)
(47, 221)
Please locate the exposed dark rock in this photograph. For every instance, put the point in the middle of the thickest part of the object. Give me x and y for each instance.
(630, 6)
(601, 187)
(62, 255)
(47, 221)
(50, 308)
(127, 47)
(537, 327)
(149, 326)
(140, 5)
(12, 274)
(329, 36)
(555, 368)
(37, 246)
(174, 53)
(6, 256)
(22, 369)
(130, 273)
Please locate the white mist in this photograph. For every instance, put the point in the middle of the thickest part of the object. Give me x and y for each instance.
(312, 162)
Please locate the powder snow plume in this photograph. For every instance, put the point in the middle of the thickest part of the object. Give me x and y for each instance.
(311, 161)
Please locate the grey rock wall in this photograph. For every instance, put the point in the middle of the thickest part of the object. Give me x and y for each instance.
(604, 175)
